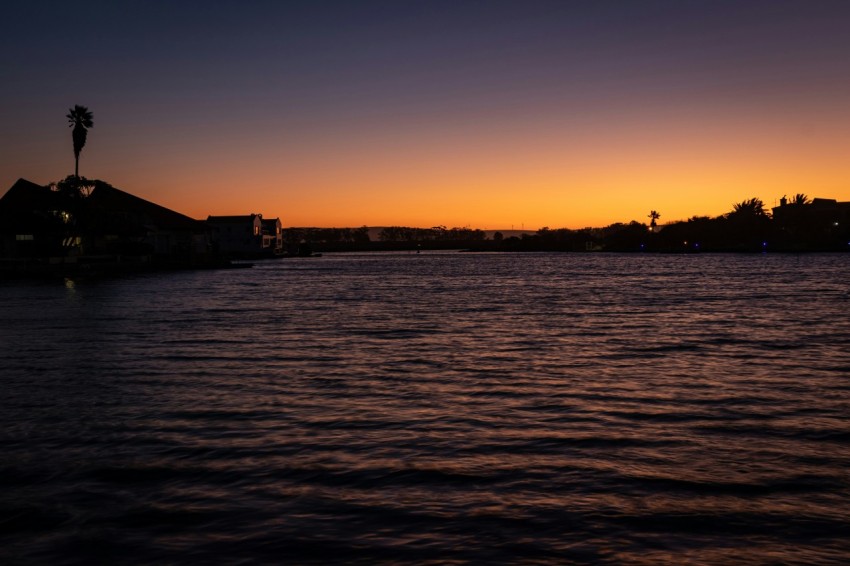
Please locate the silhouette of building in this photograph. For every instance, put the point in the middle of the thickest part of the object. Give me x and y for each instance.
(237, 235)
(824, 211)
(31, 221)
(125, 217)
(39, 222)
(820, 224)
(273, 235)
(246, 236)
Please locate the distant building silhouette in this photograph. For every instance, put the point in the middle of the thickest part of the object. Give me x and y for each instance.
(273, 235)
(819, 224)
(237, 234)
(247, 235)
(826, 211)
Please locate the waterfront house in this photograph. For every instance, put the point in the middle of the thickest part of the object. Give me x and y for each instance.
(248, 235)
(273, 235)
(32, 221)
(237, 235)
(125, 221)
(820, 224)
(49, 222)
(823, 211)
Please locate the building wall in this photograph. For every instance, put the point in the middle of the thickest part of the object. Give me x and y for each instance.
(238, 237)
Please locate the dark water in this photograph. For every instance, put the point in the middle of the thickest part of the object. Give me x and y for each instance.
(433, 408)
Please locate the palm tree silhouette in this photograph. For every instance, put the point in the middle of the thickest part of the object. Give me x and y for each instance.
(80, 118)
(653, 215)
(800, 199)
(751, 207)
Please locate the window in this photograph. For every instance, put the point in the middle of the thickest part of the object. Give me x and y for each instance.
(24, 237)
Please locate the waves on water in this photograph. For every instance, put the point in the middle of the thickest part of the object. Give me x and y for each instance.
(432, 408)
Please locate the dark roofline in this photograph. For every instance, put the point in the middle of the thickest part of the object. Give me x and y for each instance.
(21, 183)
(233, 219)
(17, 190)
(24, 203)
(114, 199)
(816, 203)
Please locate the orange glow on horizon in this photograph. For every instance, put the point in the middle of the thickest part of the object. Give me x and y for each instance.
(558, 166)
(561, 114)
(542, 178)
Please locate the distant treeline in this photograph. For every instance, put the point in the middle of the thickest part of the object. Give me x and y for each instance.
(802, 225)
(435, 234)
(820, 225)
(389, 238)
(748, 227)
(327, 235)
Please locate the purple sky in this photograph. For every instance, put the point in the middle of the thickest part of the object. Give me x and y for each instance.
(305, 103)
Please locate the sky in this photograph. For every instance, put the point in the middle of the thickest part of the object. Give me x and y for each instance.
(487, 114)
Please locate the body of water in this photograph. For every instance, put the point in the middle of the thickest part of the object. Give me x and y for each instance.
(432, 408)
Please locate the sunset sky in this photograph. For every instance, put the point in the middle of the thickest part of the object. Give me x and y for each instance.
(487, 114)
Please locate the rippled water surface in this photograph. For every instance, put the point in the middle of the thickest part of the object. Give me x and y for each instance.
(432, 408)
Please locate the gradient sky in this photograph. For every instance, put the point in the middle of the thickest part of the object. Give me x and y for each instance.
(487, 114)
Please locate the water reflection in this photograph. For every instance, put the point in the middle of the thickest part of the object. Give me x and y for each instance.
(442, 407)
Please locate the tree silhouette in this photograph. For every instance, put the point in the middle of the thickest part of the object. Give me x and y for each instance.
(653, 217)
(79, 118)
(748, 225)
(800, 198)
(751, 207)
